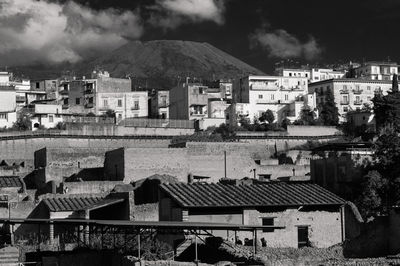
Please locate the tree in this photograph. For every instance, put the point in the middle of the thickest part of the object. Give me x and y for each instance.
(372, 198)
(23, 122)
(387, 108)
(307, 117)
(267, 116)
(329, 115)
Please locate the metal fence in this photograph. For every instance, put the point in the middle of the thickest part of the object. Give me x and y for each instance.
(157, 123)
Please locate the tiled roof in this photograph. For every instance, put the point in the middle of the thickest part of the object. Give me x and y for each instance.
(10, 181)
(269, 194)
(77, 203)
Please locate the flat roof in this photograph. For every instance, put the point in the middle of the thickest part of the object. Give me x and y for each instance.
(351, 80)
(145, 224)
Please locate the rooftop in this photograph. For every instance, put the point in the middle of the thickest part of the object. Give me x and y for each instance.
(274, 194)
(74, 203)
(343, 146)
(10, 181)
(354, 80)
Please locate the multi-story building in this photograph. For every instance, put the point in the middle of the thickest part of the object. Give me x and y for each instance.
(349, 94)
(8, 115)
(49, 86)
(102, 93)
(284, 96)
(312, 74)
(159, 104)
(196, 101)
(377, 70)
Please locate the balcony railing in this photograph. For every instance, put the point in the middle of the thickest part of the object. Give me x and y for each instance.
(65, 106)
(357, 91)
(358, 102)
(135, 108)
(64, 92)
(88, 91)
(344, 91)
(344, 102)
(89, 105)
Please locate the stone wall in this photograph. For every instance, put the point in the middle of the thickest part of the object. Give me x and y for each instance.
(22, 150)
(312, 130)
(92, 187)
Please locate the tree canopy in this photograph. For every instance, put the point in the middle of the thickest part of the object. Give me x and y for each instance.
(329, 115)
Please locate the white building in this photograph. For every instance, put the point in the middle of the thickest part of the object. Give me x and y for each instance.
(377, 70)
(313, 74)
(284, 96)
(349, 94)
(45, 114)
(4, 78)
(8, 115)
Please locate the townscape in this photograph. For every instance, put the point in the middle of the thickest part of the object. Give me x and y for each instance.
(118, 148)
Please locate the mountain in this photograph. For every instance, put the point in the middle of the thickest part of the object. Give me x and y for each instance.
(161, 63)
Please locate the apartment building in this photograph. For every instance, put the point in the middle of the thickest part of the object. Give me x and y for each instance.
(102, 93)
(8, 115)
(284, 96)
(349, 94)
(312, 74)
(196, 101)
(377, 70)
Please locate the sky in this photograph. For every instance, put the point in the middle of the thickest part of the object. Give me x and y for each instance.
(259, 32)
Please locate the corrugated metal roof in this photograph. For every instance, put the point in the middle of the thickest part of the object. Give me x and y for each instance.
(10, 181)
(269, 194)
(77, 203)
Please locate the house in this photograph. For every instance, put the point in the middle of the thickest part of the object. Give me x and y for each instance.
(374, 70)
(44, 113)
(159, 104)
(8, 115)
(310, 214)
(362, 120)
(284, 96)
(349, 94)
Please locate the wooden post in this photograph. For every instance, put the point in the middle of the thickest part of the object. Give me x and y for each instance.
(196, 260)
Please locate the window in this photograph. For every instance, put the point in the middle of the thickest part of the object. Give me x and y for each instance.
(66, 101)
(345, 98)
(105, 103)
(272, 97)
(91, 100)
(78, 101)
(136, 105)
(290, 74)
(119, 102)
(268, 222)
(357, 98)
(345, 109)
(3, 115)
(368, 88)
(37, 85)
(260, 96)
(306, 75)
(286, 97)
(51, 119)
(119, 116)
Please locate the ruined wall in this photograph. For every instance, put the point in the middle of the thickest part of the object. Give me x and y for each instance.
(92, 187)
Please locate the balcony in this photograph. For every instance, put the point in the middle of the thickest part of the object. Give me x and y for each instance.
(357, 91)
(64, 92)
(344, 102)
(344, 91)
(263, 88)
(135, 108)
(65, 106)
(262, 101)
(359, 102)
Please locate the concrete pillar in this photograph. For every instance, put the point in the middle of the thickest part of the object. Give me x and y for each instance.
(87, 229)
